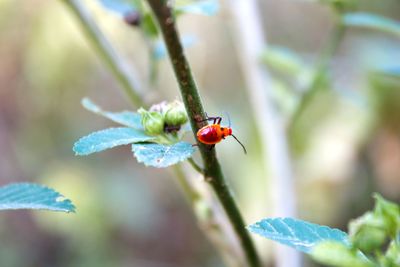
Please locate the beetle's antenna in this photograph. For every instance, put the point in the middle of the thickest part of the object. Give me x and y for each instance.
(245, 151)
(229, 118)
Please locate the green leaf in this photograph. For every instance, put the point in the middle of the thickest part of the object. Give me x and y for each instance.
(338, 254)
(127, 118)
(149, 26)
(297, 234)
(371, 21)
(162, 156)
(108, 138)
(33, 196)
(205, 7)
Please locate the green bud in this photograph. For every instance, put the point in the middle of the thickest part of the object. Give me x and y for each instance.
(175, 114)
(152, 121)
(368, 233)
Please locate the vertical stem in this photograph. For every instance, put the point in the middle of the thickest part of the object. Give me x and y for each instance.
(126, 76)
(194, 108)
(251, 41)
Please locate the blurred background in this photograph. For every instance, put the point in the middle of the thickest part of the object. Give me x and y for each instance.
(347, 144)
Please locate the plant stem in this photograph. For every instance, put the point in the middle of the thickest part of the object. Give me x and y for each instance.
(126, 76)
(194, 108)
(320, 72)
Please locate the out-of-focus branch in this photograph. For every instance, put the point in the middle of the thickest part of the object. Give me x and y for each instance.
(320, 72)
(126, 76)
(251, 42)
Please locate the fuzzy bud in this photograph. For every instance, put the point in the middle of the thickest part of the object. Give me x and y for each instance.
(175, 114)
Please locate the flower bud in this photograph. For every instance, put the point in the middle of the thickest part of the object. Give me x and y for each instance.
(368, 233)
(153, 122)
(175, 114)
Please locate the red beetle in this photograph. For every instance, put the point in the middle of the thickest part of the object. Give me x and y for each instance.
(213, 133)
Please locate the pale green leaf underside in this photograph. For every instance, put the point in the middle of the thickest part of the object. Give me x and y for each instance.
(297, 234)
(33, 196)
(127, 118)
(373, 22)
(109, 138)
(161, 156)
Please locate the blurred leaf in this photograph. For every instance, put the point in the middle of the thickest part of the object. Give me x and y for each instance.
(283, 60)
(372, 21)
(338, 254)
(160, 51)
(161, 156)
(149, 26)
(121, 7)
(108, 138)
(33, 196)
(205, 7)
(127, 118)
(297, 234)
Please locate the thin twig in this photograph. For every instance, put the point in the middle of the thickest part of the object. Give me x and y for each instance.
(126, 76)
(251, 41)
(320, 73)
(190, 95)
(195, 166)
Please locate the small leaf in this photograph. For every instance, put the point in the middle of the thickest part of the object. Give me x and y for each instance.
(127, 118)
(206, 7)
(33, 196)
(298, 234)
(108, 138)
(162, 156)
(121, 7)
(372, 21)
(338, 254)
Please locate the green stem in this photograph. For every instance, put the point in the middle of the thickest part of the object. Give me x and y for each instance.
(320, 72)
(126, 76)
(194, 108)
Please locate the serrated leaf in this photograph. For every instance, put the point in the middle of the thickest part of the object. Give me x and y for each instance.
(372, 21)
(206, 7)
(121, 7)
(109, 138)
(33, 196)
(162, 156)
(297, 234)
(127, 118)
(160, 51)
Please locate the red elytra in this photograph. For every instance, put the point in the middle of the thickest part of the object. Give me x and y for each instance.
(213, 133)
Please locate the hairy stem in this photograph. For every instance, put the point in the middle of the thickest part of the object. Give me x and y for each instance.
(320, 72)
(126, 76)
(191, 98)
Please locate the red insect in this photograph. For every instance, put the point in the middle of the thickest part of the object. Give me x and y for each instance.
(213, 133)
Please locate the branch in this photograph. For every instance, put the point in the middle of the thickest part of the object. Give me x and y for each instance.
(320, 72)
(126, 77)
(194, 108)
